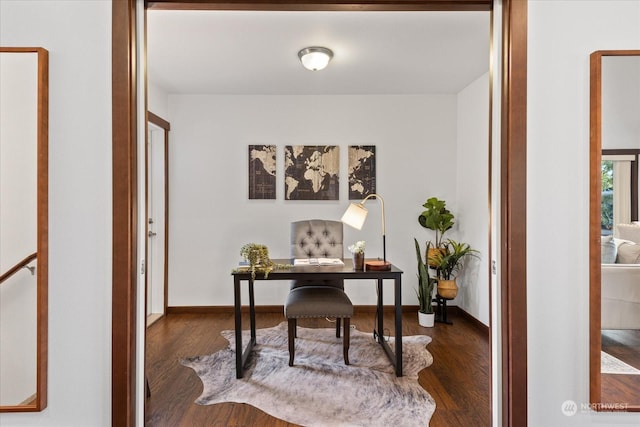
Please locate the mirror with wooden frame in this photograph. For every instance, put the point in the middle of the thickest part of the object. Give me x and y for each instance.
(24, 88)
(614, 231)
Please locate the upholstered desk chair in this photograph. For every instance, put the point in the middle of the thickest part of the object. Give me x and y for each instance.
(317, 298)
(317, 238)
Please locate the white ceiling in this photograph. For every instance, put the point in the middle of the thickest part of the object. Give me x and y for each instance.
(249, 52)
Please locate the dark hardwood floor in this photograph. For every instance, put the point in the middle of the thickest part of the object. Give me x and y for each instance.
(623, 345)
(458, 379)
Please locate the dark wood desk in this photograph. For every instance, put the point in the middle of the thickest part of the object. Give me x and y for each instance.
(345, 272)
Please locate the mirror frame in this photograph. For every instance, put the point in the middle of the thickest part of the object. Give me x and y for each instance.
(595, 160)
(42, 246)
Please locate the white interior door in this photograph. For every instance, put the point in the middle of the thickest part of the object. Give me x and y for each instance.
(156, 238)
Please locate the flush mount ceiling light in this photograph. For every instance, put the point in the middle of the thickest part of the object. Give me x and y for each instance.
(315, 58)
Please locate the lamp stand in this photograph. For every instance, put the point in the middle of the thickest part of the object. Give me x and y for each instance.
(379, 265)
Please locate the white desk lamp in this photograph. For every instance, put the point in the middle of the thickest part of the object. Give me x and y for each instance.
(354, 216)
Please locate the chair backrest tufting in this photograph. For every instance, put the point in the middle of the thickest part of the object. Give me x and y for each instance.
(317, 238)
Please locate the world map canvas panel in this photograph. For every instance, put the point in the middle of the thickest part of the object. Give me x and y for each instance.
(262, 171)
(311, 172)
(361, 171)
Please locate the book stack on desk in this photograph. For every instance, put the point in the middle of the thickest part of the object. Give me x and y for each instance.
(317, 261)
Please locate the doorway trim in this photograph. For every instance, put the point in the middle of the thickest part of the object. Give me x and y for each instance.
(166, 126)
(512, 253)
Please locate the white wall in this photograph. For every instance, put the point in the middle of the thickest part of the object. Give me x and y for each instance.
(157, 100)
(211, 217)
(562, 34)
(472, 215)
(78, 37)
(620, 102)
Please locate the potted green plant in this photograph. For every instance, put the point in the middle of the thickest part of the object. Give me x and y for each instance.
(258, 257)
(425, 290)
(438, 218)
(448, 264)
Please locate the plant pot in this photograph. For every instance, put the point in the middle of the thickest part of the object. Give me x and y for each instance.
(426, 320)
(447, 288)
(433, 253)
(358, 261)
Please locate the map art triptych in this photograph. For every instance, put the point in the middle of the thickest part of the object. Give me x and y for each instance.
(311, 172)
(262, 172)
(362, 171)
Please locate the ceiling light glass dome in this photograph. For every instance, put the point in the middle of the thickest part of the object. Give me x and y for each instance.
(315, 58)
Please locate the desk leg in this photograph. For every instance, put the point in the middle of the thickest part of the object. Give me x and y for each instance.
(398, 304)
(380, 313)
(242, 356)
(237, 303)
(252, 311)
(394, 356)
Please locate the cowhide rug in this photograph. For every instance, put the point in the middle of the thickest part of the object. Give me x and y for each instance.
(612, 365)
(320, 390)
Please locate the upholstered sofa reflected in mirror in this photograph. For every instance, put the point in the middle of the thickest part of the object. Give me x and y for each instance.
(621, 278)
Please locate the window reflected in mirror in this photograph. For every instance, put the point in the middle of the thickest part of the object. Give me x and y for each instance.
(619, 197)
(607, 198)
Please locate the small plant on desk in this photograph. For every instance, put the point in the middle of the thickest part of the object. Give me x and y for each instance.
(259, 261)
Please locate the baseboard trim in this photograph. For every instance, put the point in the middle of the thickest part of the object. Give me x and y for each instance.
(228, 309)
(221, 309)
(481, 327)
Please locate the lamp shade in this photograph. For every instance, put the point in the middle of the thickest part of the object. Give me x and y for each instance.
(315, 58)
(355, 215)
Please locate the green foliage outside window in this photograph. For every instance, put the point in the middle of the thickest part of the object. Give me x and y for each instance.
(607, 195)
(607, 175)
